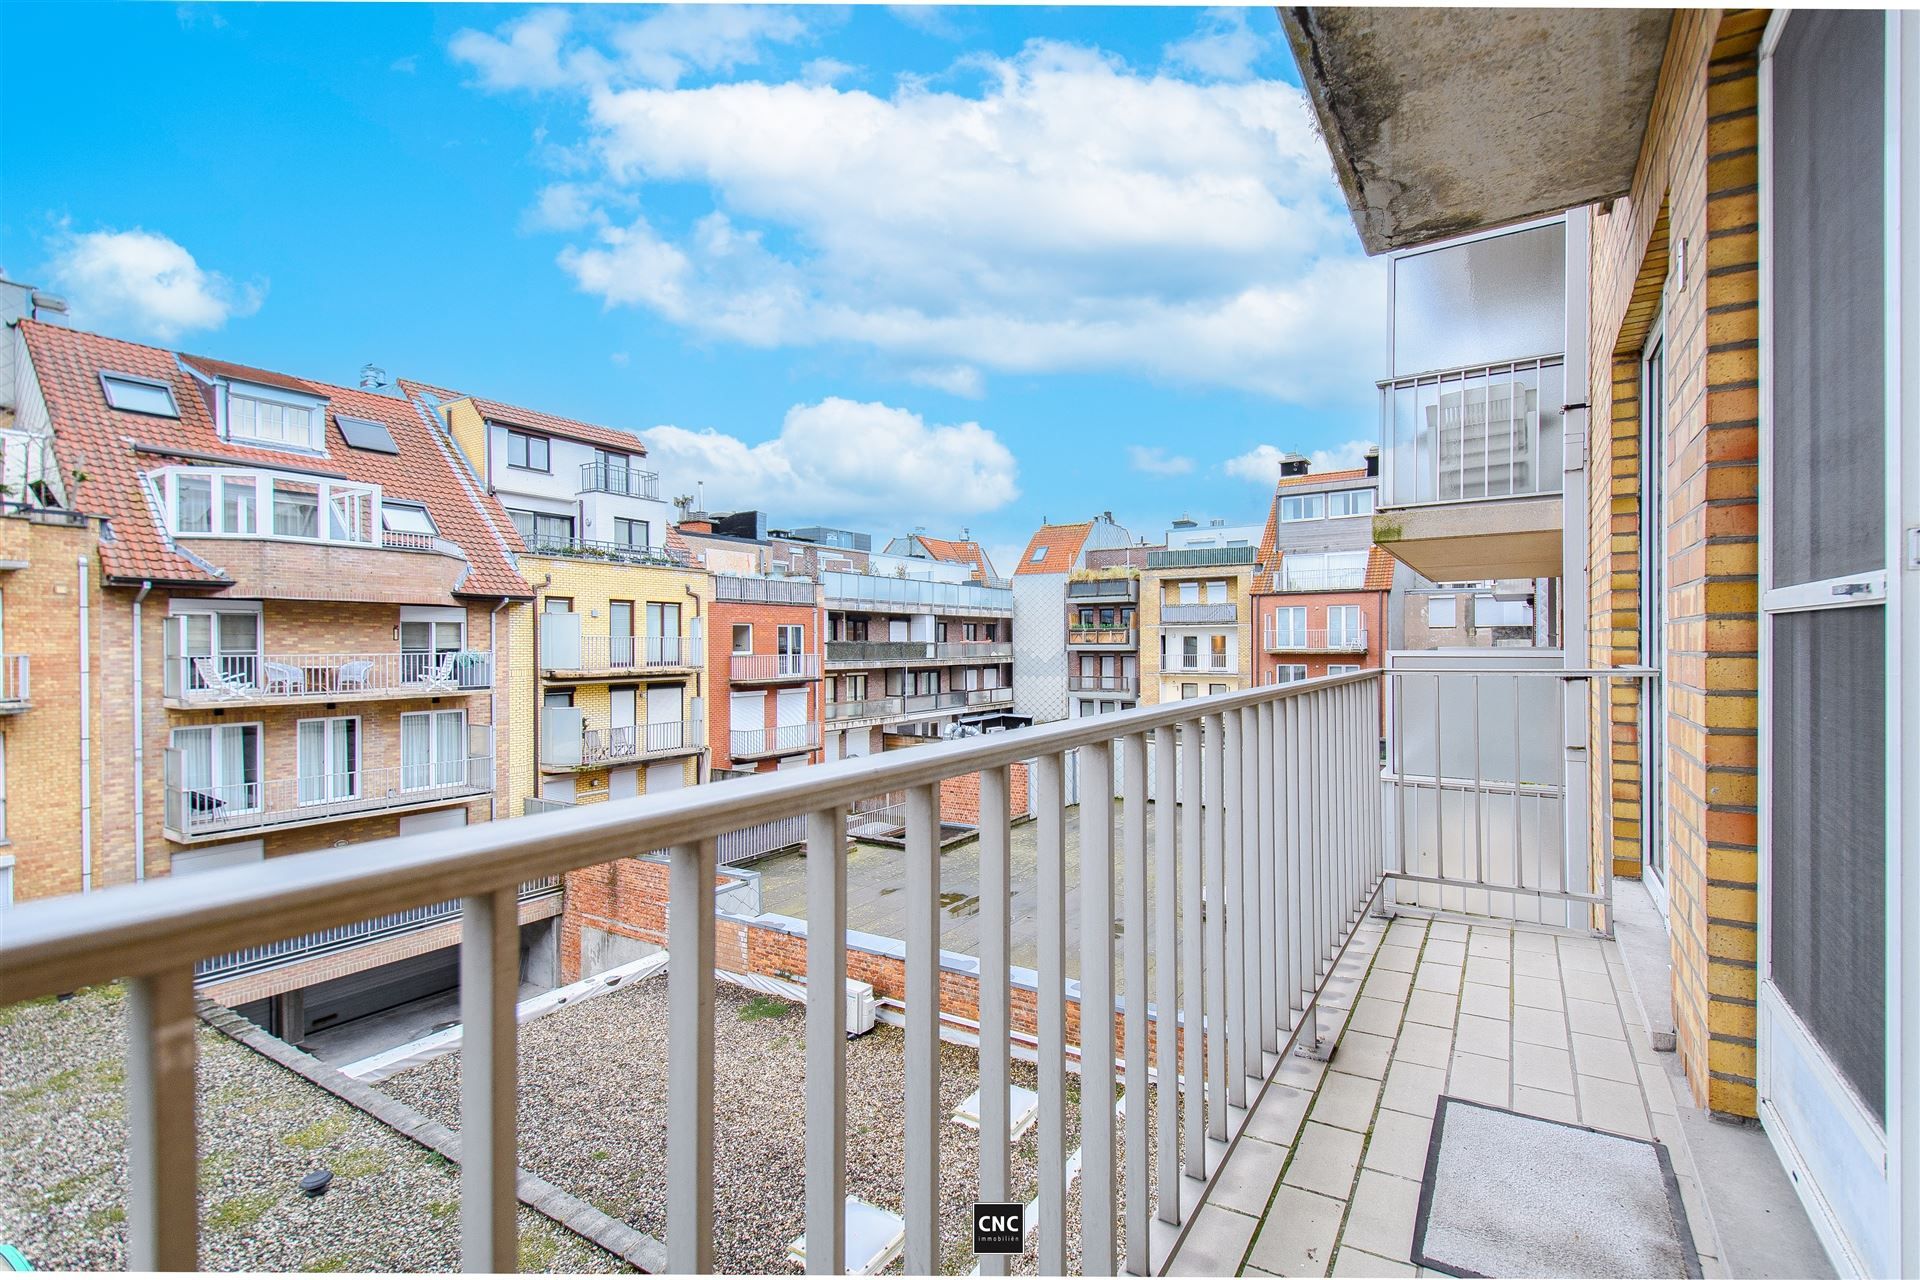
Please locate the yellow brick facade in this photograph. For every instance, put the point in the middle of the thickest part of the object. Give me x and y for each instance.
(1695, 186)
(469, 432)
(1158, 686)
(592, 585)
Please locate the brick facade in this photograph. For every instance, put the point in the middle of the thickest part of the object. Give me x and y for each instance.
(1695, 187)
(765, 620)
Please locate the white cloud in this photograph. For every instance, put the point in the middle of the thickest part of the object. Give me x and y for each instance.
(845, 458)
(620, 358)
(1155, 461)
(541, 51)
(1225, 46)
(406, 66)
(827, 70)
(933, 19)
(1072, 214)
(954, 379)
(529, 56)
(148, 283)
(1261, 464)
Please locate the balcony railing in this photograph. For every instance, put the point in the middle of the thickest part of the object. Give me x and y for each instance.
(1199, 557)
(197, 808)
(345, 937)
(913, 595)
(16, 689)
(1321, 640)
(626, 482)
(1468, 435)
(1127, 684)
(567, 743)
(1321, 579)
(1126, 588)
(246, 679)
(878, 653)
(564, 648)
(768, 668)
(1285, 870)
(1117, 636)
(657, 555)
(1190, 614)
(919, 704)
(746, 744)
(764, 590)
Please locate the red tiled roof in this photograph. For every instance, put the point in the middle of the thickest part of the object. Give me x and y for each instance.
(509, 415)
(114, 449)
(1358, 473)
(957, 552)
(1062, 543)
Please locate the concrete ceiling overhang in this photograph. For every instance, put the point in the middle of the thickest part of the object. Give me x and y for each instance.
(1447, 121)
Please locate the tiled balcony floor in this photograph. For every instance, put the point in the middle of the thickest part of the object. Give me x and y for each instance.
(1326, 1177)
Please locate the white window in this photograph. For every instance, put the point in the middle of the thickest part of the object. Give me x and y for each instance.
(1342, 668)
(1490, 612)
(296, 510)
(1349, 502)
(1302, 506)
(529, 453)
(1344, 625)
(1443, 612)
(430, 637)
(433, 749)
(1217, 592)
(1287, 628)
(1288, 672)
(1216, 688)
(538, 529)
(329, 759)
(139, 395)
(1190, 653)
(1217, 647)
(274, 422)
(220, 648)
(407, 517)
(6, 881)
(631, 534)
(791, 644)
(239, 505)
(1189, 690)
(1324, 570)
(742, 638)
(219, 770)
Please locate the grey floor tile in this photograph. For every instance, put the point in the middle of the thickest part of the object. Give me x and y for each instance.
(1484, 1001)
(1324, 1160)
(1445, 950)
(1595, 1018)
(1398, 1144)
(1297, 1236)
(1432, 1007)
(1387, 984)
(1538, 993)
(1479, 1079)
(1413, 1088)
(1484, 1036)
(1495, 944)
(1545, 1104)
(1493, 972)
(1380, 1219)
(1362, 1054)
(1215, 1243)
(1540, 1067)
(1247, 1181)
(1398, 959)
(1599, 1056)
(1540, 1026)
(1424, 1043)
(1376, 1017)
(1536, 964)
(1277, 1118)
(1581, 985)
(1437, 977)
(1357, 1262)
(1346, 1101)
(1610, 1105)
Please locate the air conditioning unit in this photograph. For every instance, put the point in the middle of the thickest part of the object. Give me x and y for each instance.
(860, 1007)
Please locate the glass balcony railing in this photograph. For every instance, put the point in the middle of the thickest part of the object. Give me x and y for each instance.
(1470, 435)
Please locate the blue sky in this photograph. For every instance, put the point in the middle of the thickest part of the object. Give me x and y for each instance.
(878, 267)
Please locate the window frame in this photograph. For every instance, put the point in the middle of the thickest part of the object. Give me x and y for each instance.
(1308, 506)
(252, 394)
(526, 440)
(1452, 604)
(356, 768)
(110, 376)
(1351, 495)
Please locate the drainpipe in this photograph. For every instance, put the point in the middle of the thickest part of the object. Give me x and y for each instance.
(493, 702)
(86, 743)
(699, 689)
(139, 749)
(539, 692)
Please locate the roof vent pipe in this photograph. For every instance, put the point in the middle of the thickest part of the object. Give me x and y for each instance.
(1373, 460)
(372, 377)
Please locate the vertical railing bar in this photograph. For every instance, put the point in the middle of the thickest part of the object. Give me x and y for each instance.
(1231, 903)
(1219, 1088)
(1193, 972)
(1249, 900)
(1134, 949)
(489, 1081)
(1397, 744)
(1299, 883)
(1330, 867)
(1286, 996)
(826, 1154)
(1439, 791)
(690, 937)
(1096, 1011)
(996, 1027)
(1479, 803)
(1519, 863)
(1263, 856)
(922, 1198)
(163, 1211)
(1166, 970)
(1050, 1256)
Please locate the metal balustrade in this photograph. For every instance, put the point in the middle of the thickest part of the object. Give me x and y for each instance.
(1125, 588)
(1473, 434)
(782, 740)
(766, 668)
(635, 653)
(1314, 640)
(195, 809)
(763, 590)
(907, 595)
(16, 688)
(1096, 683)
(874, 653)
(657, 554)
(1267, 852)
(616, 478)
(1188, 614)
(567, 743)
(1116, 636)
(256, 679)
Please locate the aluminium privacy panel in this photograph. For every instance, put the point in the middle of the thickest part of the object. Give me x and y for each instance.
(1481, 301)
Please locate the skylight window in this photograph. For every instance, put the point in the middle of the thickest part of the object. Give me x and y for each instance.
(364, 433)
(406, 517)
(1039, 554)
(139, 395)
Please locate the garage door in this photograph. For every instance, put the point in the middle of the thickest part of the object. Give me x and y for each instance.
(412, 824)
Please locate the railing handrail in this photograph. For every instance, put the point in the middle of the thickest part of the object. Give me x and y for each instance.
(62, 944)
(597, 477)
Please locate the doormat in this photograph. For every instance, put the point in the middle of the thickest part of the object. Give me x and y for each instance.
(1512, 1195)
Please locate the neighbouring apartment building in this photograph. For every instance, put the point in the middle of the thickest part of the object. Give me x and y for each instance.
(267, 615)
(1512, 614)
(1050, 673)
(612, 702)
(961, 550)
(1323, 595)
(764, 662)
(1196, 612)
(1672, 361)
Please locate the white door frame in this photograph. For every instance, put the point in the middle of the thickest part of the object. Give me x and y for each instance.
(1788, 1060)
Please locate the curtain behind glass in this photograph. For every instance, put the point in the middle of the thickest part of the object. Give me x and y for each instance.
(450, 748)
(416, 751)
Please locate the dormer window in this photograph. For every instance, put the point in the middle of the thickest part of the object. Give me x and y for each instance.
(139, 395)
(528, 452)
(231, 502)
(406, 517)
(281, 424)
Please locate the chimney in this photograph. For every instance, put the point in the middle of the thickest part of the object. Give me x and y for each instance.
(1373, 460)
(1107, 516)
(1292, 464)
(1218, 522)
(696, 526)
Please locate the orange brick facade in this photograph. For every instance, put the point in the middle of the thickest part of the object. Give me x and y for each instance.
(765, 620)
(1373, 612)
(1695, 190)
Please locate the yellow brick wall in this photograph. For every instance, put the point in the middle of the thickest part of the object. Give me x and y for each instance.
(469, 432)
(592, 585)
(1157, 687)
(1695, 183)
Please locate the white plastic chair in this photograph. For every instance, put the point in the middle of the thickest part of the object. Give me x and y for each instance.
(354, 675)
(285, 678)
(225, 685)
